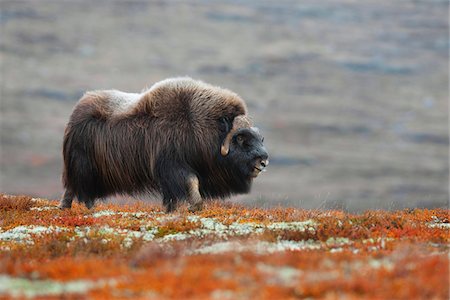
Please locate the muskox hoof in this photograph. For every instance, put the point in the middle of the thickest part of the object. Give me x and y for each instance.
(66, 200)
(63, 206)
(89, 204)
(195, 207)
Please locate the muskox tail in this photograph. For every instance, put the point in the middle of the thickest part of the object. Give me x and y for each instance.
(80, 175)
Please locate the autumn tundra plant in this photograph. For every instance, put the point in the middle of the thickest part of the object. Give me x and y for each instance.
(183, 138)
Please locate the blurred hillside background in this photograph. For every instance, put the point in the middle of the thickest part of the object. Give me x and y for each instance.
(352, 96)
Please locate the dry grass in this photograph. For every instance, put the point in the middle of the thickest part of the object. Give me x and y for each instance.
(16, 203)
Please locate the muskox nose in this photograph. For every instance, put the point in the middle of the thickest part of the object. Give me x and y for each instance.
(265, 163)
(263, 158)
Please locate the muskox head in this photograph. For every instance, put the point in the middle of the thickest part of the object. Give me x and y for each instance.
(244, 150)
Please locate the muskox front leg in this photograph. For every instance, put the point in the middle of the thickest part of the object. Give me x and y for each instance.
(172, 180)
(194, 198)
(178, 183)
(66, 200)
(184, 186)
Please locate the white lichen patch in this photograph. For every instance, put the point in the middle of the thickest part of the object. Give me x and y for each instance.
(145, 235)
(338, 241)
(180, 236)
(246, 228)
(378, 240)
(259, 247)
(21, 287)
(280, 275)
(104, 213)
(294, 226)
(136, 214)
(438, 223)
(24, 233)
(211, 226)
(107, 232)
(207, 227)
(377, 243)
(336, 250)
(44, 208)
(381, 263)
(36, 200)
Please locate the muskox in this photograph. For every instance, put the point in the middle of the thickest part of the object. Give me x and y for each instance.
(182, 138)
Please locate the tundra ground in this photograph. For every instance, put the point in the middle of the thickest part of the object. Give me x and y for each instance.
(223, 252)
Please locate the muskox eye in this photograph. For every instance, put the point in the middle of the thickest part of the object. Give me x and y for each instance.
(240, 139)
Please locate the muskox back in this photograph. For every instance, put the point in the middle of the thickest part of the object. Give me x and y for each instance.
(166, 139)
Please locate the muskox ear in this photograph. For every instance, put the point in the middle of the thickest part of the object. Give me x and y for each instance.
(225, 124)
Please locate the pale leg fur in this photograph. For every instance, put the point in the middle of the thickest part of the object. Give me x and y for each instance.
(195, 199)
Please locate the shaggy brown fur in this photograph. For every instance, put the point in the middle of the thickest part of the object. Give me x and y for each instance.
(167, 139)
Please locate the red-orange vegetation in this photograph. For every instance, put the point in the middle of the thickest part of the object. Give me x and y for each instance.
(176, 225)
(228, 213)
(374, 255)
(70, 268)
(71, 220)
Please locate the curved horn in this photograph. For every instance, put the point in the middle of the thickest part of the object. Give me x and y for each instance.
(239, 122)
(226, 145)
